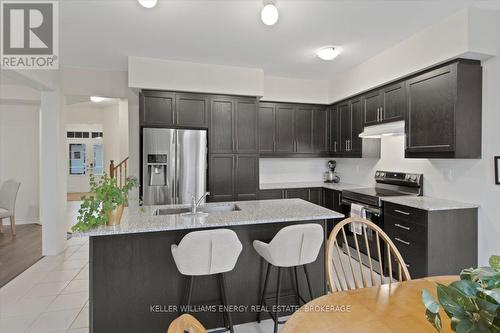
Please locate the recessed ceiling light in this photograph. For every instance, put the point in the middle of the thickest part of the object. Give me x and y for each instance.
(328, 52)
(269, 14)
(97, 99)
(148, 3)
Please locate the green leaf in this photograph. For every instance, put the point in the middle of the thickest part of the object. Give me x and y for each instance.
(492, 296)
(495, 262)
(429, 302)
(453, 301)
(435, 320)
(465, 326)
(466, 287)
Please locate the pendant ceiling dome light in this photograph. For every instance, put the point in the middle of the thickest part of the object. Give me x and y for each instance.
(269, 14)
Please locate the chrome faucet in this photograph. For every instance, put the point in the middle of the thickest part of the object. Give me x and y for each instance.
(196, 202)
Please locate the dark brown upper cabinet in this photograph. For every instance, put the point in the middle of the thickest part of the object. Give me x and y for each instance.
(191, 110)
(344, 110)
(444, 112)
(384, 105)
(320, 128)
(157, 108)
(160, 108)
(303, 129)
(233, 177)
(356, 143)
(285, 138)
(289, 129)
(334, 129)
(233, 125)
(267, 141)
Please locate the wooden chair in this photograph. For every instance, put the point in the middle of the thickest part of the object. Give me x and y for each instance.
(342, 276)
(186, 324)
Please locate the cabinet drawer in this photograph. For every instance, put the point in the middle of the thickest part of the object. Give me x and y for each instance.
(407, 230)
(412, 248)
(405, 213)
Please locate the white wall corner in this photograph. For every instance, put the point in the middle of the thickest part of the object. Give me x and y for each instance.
(149, 73)
(469, 33)
(291, 90)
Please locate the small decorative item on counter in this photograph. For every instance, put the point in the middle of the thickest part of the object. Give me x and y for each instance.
(105, 204)
(472, 303)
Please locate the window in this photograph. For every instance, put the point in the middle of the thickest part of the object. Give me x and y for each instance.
(98, 160)
(76, 159)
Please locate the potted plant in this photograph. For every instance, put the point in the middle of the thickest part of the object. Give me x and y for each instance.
(472, 303)
(105, 204)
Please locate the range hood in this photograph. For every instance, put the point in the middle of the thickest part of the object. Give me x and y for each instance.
(387, 129)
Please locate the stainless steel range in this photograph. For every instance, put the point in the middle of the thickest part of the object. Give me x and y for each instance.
(388, 184)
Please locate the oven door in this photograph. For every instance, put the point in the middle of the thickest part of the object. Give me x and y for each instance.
(373, 214)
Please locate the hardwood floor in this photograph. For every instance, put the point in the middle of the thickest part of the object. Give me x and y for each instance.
(20, 252)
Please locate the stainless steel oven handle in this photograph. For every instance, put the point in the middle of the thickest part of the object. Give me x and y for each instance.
(402, 241)
(374, 210)
(401, 226)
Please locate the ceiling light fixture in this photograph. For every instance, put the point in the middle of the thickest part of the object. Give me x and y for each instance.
(328, 52)
(97, 99)
(148, 3)
(269, 14)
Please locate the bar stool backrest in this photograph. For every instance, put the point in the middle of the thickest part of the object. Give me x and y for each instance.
(297, 244)
(207, 252)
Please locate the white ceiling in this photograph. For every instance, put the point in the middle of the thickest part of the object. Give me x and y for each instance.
(102, 33)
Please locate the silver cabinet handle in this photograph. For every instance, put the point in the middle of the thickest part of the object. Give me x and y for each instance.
(402, 241)
(382, 113)
(335, 146)
(378, 115)
(401, 226)
(349, 145)
(234, 167)
(401, 212)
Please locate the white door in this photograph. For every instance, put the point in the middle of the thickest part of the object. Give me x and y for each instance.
(85, 158)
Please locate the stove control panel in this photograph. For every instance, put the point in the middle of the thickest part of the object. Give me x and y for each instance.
(400, 178)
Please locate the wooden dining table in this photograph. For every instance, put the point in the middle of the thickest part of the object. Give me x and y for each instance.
(393, 308)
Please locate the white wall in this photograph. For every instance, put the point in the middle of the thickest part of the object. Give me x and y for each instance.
(282, 89)
(149, 73)
(471, 33)
(19, 157)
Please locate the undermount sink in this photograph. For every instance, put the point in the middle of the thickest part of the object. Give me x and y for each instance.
(219, 208)
(203, 210)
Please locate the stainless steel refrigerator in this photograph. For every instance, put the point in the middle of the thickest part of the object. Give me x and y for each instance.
(174, 165)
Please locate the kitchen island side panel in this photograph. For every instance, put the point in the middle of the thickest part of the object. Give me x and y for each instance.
(130, 274)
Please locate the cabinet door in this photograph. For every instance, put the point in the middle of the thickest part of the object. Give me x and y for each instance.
(372, 103)
(297, 193)
(344, 110)
(320, 130)
(270, 194)
(431, 107)
(334, 127)
(303, 120)
(221, 129)
(356, 143)
(394, 106)
(247, 177)
(266, 127)
(157, 108)
(191, 110)
(316, 196)
(246, 125)
(221, 180)
(284, 128)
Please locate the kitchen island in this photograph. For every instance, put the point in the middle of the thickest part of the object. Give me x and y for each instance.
(136, 287)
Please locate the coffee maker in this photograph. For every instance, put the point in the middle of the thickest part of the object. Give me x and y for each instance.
(330, 176)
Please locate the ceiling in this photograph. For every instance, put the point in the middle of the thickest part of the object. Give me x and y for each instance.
(102, 33)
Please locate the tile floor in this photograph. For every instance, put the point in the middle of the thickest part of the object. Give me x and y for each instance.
(52, 296)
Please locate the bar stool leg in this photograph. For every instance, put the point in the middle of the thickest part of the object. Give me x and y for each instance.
(276, 312)
(297, 296)
(262, 297)
(224, 295)
(308, 282)
(219, 282)
(186, 299)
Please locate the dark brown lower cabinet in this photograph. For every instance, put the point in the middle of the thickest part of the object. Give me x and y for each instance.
(433, 242)
(233, 177)
(313, 195)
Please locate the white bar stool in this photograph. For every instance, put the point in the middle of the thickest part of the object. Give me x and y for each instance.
(208, 252)
(293, 246)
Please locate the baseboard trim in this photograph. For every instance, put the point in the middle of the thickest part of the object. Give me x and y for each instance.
(6, 221)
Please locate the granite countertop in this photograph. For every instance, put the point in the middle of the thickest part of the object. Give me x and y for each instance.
(135, 220)
(332, 186)
(428, 203)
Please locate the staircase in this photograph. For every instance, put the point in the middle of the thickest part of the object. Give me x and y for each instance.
(119, 171)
